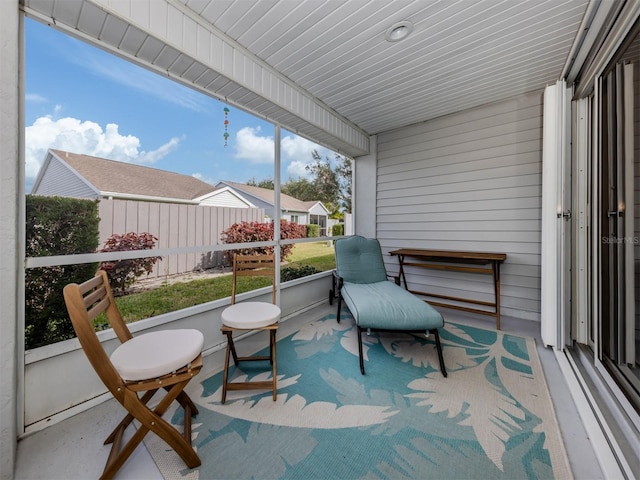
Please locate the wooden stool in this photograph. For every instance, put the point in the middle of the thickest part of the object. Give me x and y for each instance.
(243, 317)
(247, 316)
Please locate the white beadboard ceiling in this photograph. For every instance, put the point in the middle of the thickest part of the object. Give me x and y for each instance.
(323, 67)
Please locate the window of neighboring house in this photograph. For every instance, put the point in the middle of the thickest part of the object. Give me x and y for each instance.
(184, 257)
(295, 218)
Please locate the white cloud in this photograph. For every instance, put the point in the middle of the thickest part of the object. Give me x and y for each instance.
(296, 169)
(296, 151)
(208, 180)
(154, 155)
(34, 98)
(251, 146)
(298, 148)
(88, 138)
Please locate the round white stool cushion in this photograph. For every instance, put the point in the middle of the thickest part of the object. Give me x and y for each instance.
(250, 315)
(155, 354)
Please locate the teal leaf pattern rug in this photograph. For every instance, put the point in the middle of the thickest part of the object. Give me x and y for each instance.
(492, 417)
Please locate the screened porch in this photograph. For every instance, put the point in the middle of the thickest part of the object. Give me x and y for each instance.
(473, 126)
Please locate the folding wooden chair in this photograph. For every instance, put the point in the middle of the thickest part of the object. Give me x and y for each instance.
(142, 365)
(251, 316)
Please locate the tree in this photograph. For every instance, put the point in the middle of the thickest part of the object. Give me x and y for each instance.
(267, 183)
(344, 169)
(302, 189)
(330, 183)
(325, 181)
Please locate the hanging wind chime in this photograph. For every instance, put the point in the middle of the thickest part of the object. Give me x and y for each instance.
(226, 125)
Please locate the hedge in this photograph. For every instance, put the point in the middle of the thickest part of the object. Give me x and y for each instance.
(313, 230)
(55, 226)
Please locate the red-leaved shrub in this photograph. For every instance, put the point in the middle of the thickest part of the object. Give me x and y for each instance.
(123, 273)
(245, 232)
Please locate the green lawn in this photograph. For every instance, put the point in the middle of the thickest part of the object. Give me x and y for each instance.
(167, 298)
(302, 251)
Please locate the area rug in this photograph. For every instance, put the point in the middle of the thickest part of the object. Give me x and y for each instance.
(492, 417)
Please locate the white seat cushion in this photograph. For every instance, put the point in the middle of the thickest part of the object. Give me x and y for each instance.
(155, 354)
(250, 315)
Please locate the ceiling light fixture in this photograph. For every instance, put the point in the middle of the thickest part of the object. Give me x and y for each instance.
(398, 31)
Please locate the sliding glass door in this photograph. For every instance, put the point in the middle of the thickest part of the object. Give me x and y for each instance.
(619, 191)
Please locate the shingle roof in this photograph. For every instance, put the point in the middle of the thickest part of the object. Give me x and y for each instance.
(286, 202)
(120, 177)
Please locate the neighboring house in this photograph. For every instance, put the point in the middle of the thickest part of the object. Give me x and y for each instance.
(134, 198)
(303, 213)
(67, 174)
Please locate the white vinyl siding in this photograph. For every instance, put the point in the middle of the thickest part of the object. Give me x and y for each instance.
(468, 181)
(224, 199)
(300, 218)
(58, 180)
(318, 209)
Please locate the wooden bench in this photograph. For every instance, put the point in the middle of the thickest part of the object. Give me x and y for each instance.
(460, 261)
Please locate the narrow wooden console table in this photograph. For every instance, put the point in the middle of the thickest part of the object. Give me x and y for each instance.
(469, 262)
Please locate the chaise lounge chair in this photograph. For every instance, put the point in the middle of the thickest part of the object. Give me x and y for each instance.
(376, 303)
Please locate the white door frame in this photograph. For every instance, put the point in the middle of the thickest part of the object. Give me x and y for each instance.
(582, 141)
(556, 215)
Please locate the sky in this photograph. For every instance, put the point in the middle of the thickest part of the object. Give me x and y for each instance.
(84, 100)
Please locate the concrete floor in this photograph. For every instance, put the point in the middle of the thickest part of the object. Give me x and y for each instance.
(73, 449)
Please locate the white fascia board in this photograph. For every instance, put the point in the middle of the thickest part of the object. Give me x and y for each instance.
(41, 172)
(323, 207)
(222, 190)
(248, 194)
(145, 198)
(235, 64)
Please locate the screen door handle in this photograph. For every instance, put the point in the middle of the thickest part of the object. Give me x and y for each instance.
(566, 214)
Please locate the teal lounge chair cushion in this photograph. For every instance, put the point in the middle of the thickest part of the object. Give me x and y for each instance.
(385, 305)
(359, 260)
